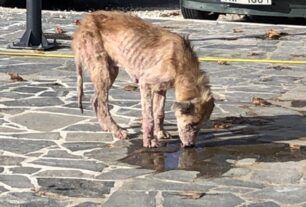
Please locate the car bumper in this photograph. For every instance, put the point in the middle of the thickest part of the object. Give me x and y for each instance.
(280, 8)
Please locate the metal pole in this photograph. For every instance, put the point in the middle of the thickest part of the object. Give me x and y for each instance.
(34, 21)
(33, 38)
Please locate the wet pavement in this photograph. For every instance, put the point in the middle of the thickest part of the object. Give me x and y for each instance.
(248, 155)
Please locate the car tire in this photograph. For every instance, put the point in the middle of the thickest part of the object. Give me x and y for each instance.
(197, 14)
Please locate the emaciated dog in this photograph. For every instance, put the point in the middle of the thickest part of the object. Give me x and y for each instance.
(153, 57)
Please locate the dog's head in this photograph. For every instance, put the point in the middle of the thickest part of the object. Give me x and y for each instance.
(190, 116)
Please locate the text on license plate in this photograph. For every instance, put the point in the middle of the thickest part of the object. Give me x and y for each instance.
(257, 2)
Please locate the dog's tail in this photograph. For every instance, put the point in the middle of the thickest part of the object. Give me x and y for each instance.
(80, 89)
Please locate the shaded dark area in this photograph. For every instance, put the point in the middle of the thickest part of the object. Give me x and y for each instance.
(272, 20)
(276, 20)
(254, 140)
(83, 5)
(260, 36)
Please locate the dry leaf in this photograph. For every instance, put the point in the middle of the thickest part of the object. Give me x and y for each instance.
(59, 30)
(15, 77)
(222, 125)
(191, 194)
(254, 54)
(130, 87)
(274, 35)
(294, 147)
(237, 30)
(77, 22)
(222, 62)
(169, 14)
(260, 102)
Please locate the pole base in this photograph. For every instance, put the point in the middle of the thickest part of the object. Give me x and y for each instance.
(26, 44)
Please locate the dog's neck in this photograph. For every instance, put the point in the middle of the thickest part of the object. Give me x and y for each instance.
(190, 85)
(185, 88)
(190, 82)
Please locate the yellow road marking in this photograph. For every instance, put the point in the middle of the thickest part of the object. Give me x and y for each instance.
(41, 54)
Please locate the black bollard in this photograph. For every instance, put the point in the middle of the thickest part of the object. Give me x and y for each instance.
(33, 38)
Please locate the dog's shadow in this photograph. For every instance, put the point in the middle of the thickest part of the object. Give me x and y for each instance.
(264, 138)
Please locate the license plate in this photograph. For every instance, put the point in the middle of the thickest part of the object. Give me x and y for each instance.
(251, 2)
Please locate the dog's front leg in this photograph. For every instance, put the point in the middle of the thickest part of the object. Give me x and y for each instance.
(147, 116)
(159, 98)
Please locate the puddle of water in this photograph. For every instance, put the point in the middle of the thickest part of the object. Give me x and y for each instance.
(210, 160)
(247, 138)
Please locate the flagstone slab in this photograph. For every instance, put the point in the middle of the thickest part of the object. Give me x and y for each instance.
(30, 199)
(131, 199)
(89, 137)
(38, 136)
(16, 181)
(45, 121)
(34, 102)
(75, 187)
(24, 170)
(208, 200)
(71, 163)
(14, 145)
(10, 160)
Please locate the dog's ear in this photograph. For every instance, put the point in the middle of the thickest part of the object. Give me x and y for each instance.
(185, 107)
(209, 107)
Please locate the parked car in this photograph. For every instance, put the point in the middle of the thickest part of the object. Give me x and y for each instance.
(210, 9)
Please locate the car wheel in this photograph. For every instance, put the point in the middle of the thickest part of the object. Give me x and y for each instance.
(197, 14)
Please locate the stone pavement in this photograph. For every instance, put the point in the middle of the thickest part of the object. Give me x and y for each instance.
(52, 155)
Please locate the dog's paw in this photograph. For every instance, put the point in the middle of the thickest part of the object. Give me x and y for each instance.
(151, 143)
(121, 134)
(162, 135)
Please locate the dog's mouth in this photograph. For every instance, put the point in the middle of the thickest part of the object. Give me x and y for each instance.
(188, 138)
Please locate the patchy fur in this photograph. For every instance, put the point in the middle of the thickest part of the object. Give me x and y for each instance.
(154, 58)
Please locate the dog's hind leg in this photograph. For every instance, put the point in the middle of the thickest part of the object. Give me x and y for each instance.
(103, 75)
(159, 98)
(114, 70)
